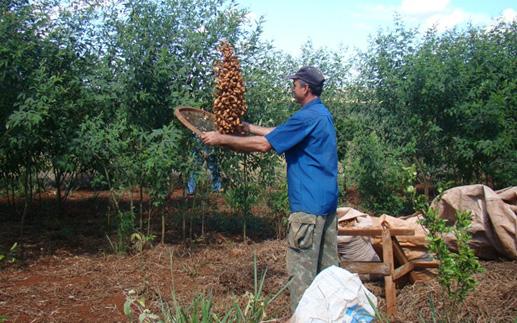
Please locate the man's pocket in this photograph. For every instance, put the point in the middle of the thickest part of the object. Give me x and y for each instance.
(301, 230)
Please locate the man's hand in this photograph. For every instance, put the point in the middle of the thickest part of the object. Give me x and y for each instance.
(245, 126)
(211, 138)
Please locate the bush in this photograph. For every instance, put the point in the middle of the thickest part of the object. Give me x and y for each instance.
(456, 269)
(379, 175)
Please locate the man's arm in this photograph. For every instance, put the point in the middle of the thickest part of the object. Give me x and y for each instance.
(257, 130)
(242, 144)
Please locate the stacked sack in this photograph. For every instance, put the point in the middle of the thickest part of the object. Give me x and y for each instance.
(229, 105)
(355, 248)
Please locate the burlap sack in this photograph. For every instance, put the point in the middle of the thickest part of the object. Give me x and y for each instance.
(494, 221)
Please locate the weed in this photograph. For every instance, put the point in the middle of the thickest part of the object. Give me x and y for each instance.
(201, 308)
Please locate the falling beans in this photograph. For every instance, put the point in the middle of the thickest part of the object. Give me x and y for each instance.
(229, 105)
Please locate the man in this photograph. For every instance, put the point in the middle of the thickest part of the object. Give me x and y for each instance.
(202, 153)
(308, 139)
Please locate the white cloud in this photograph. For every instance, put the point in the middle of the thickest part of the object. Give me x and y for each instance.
(509, 15)
(443, 22)
(448, 20)
(440, 14)
(378, 12)
(423, 7)
(423, 14)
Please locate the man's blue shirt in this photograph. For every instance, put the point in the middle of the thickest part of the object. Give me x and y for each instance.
(308, 139)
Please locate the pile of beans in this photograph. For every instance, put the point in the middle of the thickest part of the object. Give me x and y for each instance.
(229, 105)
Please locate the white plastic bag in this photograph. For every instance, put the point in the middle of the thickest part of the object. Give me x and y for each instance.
(335, 295)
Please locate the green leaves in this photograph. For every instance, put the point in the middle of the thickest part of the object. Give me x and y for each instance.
(91, 89)
(160, 157)
(457, 270)
(165, 53)
(10, 255)
(447, 95)
(379, 174)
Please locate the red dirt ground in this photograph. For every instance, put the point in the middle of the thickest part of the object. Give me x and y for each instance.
(72, 276)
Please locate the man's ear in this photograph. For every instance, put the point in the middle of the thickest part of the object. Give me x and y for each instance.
(307, 89)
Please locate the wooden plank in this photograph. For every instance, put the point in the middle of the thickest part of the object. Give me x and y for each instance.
(389, 284)
(424, 275)
(361, 267)
(418, 241)
(400, 256)
(372, 232)
(426, 264)
(404, 269)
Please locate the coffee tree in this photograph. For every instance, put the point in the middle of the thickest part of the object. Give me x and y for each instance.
(438, 98)
(160, 159)
(88, 88)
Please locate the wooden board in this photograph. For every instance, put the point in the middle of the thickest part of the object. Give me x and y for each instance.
(400, 256)
(403, 270)
(366, 267)
(389, 284)
(373, 232)
(426, 264)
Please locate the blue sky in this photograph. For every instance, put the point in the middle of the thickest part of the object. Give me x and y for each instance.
(332, 23)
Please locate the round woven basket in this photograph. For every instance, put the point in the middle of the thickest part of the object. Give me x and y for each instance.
(196, 120)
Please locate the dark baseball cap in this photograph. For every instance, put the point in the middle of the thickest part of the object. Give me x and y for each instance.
(310, 75)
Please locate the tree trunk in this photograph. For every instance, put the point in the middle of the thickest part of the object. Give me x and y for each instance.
(190, 225)
(41, 187)
(27, 187)
(244, 233)
(203, 220)
(343, 194)
(58, 179)
(13, 194)
(427, 186)
(30, 186)
(141, 211)
(131, 205)
(246, 206)
(13, 190)
(8, 193)
(163, 227)
(183, 226)
(108, 229)
(149, 221)
(25, 205)
(279, 228)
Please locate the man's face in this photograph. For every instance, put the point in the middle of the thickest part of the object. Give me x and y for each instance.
(300, 91)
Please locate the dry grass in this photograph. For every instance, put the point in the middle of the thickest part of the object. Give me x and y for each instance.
(494, 300)
(68, 288)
